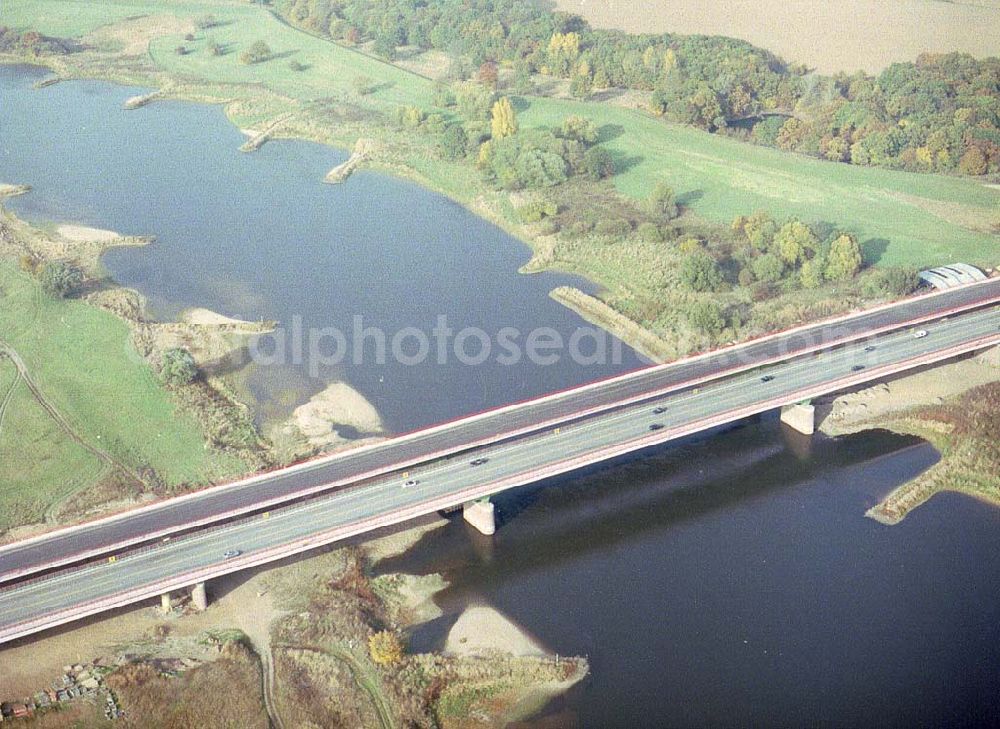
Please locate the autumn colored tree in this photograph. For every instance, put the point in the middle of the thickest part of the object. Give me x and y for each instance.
(488, 74)
(385, 648)
(794, 241)
(845, 258)
(503, 119)
(973, 162)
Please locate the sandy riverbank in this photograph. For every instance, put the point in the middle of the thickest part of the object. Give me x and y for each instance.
(858, 410)
(951, 406)
(316, 422)
(85, 234)
(596, 312)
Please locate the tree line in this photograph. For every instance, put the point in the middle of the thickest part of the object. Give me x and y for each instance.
(939, 113)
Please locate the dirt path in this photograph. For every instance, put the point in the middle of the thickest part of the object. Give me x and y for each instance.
(365, 679)
(7, 351)
(267, 681)
(10, 392)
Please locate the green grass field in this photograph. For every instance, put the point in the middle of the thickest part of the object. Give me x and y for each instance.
(721, 178)
(39, 463)
(902, 218)
(83, 362)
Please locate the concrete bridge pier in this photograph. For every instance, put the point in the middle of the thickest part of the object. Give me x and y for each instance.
(165, 603)
(800, 417)
(480, 514)
(199, 598)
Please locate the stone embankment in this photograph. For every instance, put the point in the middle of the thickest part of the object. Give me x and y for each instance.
(362, 148)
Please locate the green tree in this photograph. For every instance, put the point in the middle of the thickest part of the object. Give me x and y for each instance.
(759, 229)
(662, 203)
(768, 268)
(257, 52)
(700, 272)
(454, 142)
(598, 163)
(794, 241)
(60, 279)
(706, 315)
(178, 367)
(900, 281)
(579, 128)
(844, 260)
(811, 273)
(503, 122)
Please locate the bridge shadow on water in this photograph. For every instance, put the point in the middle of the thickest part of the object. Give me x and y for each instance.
(601, 509)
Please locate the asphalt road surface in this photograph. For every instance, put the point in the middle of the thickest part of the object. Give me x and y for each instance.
(18, 560)
(443, 478)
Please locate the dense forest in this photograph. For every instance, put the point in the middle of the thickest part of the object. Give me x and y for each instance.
(939, 113)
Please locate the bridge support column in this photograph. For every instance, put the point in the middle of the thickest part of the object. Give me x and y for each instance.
(199, 597)
(480, 515)
(800, 417)
(165, 603)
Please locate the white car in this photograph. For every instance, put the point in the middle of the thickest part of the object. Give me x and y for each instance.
(920, 334)
(411, 482)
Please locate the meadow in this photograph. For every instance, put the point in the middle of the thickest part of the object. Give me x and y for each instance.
(902, 218)
(83, 362)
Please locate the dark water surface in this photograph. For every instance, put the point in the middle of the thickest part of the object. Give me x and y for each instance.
(258, 236)
(727, 582)
(736, 582)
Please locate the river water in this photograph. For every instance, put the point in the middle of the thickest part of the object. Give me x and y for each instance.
(727, 581)
(257, 236)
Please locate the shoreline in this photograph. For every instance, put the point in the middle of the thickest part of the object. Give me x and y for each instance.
(940, 406)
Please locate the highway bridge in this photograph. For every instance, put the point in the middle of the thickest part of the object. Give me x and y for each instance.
(434, 469)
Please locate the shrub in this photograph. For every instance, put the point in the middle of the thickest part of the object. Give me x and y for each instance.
(363, 85)
(60, 279)
(706, 315)
(548, 227)
(214, 48)
(181, 50)
(385, 648)
(598, 163)
(410, 116)
(454, 142)
(650, 233)
(662, 203)
(205, 21)
(296, 66)
(178, 367)
(578, 128)
(613, 228)
(536, 210)
(700, 272)
(768, 268)
(258, 52)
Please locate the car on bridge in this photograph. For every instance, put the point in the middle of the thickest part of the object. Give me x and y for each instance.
(659, 410)
(767, 378)
(656, 426)
(920, 334)
(478, 461)
(410, 482)
(229, 554)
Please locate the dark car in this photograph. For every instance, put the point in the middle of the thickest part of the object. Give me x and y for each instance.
(857, 368)
(767, 378)
(659, 411)
(478, 461)
(870, 348)
(656, 426)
